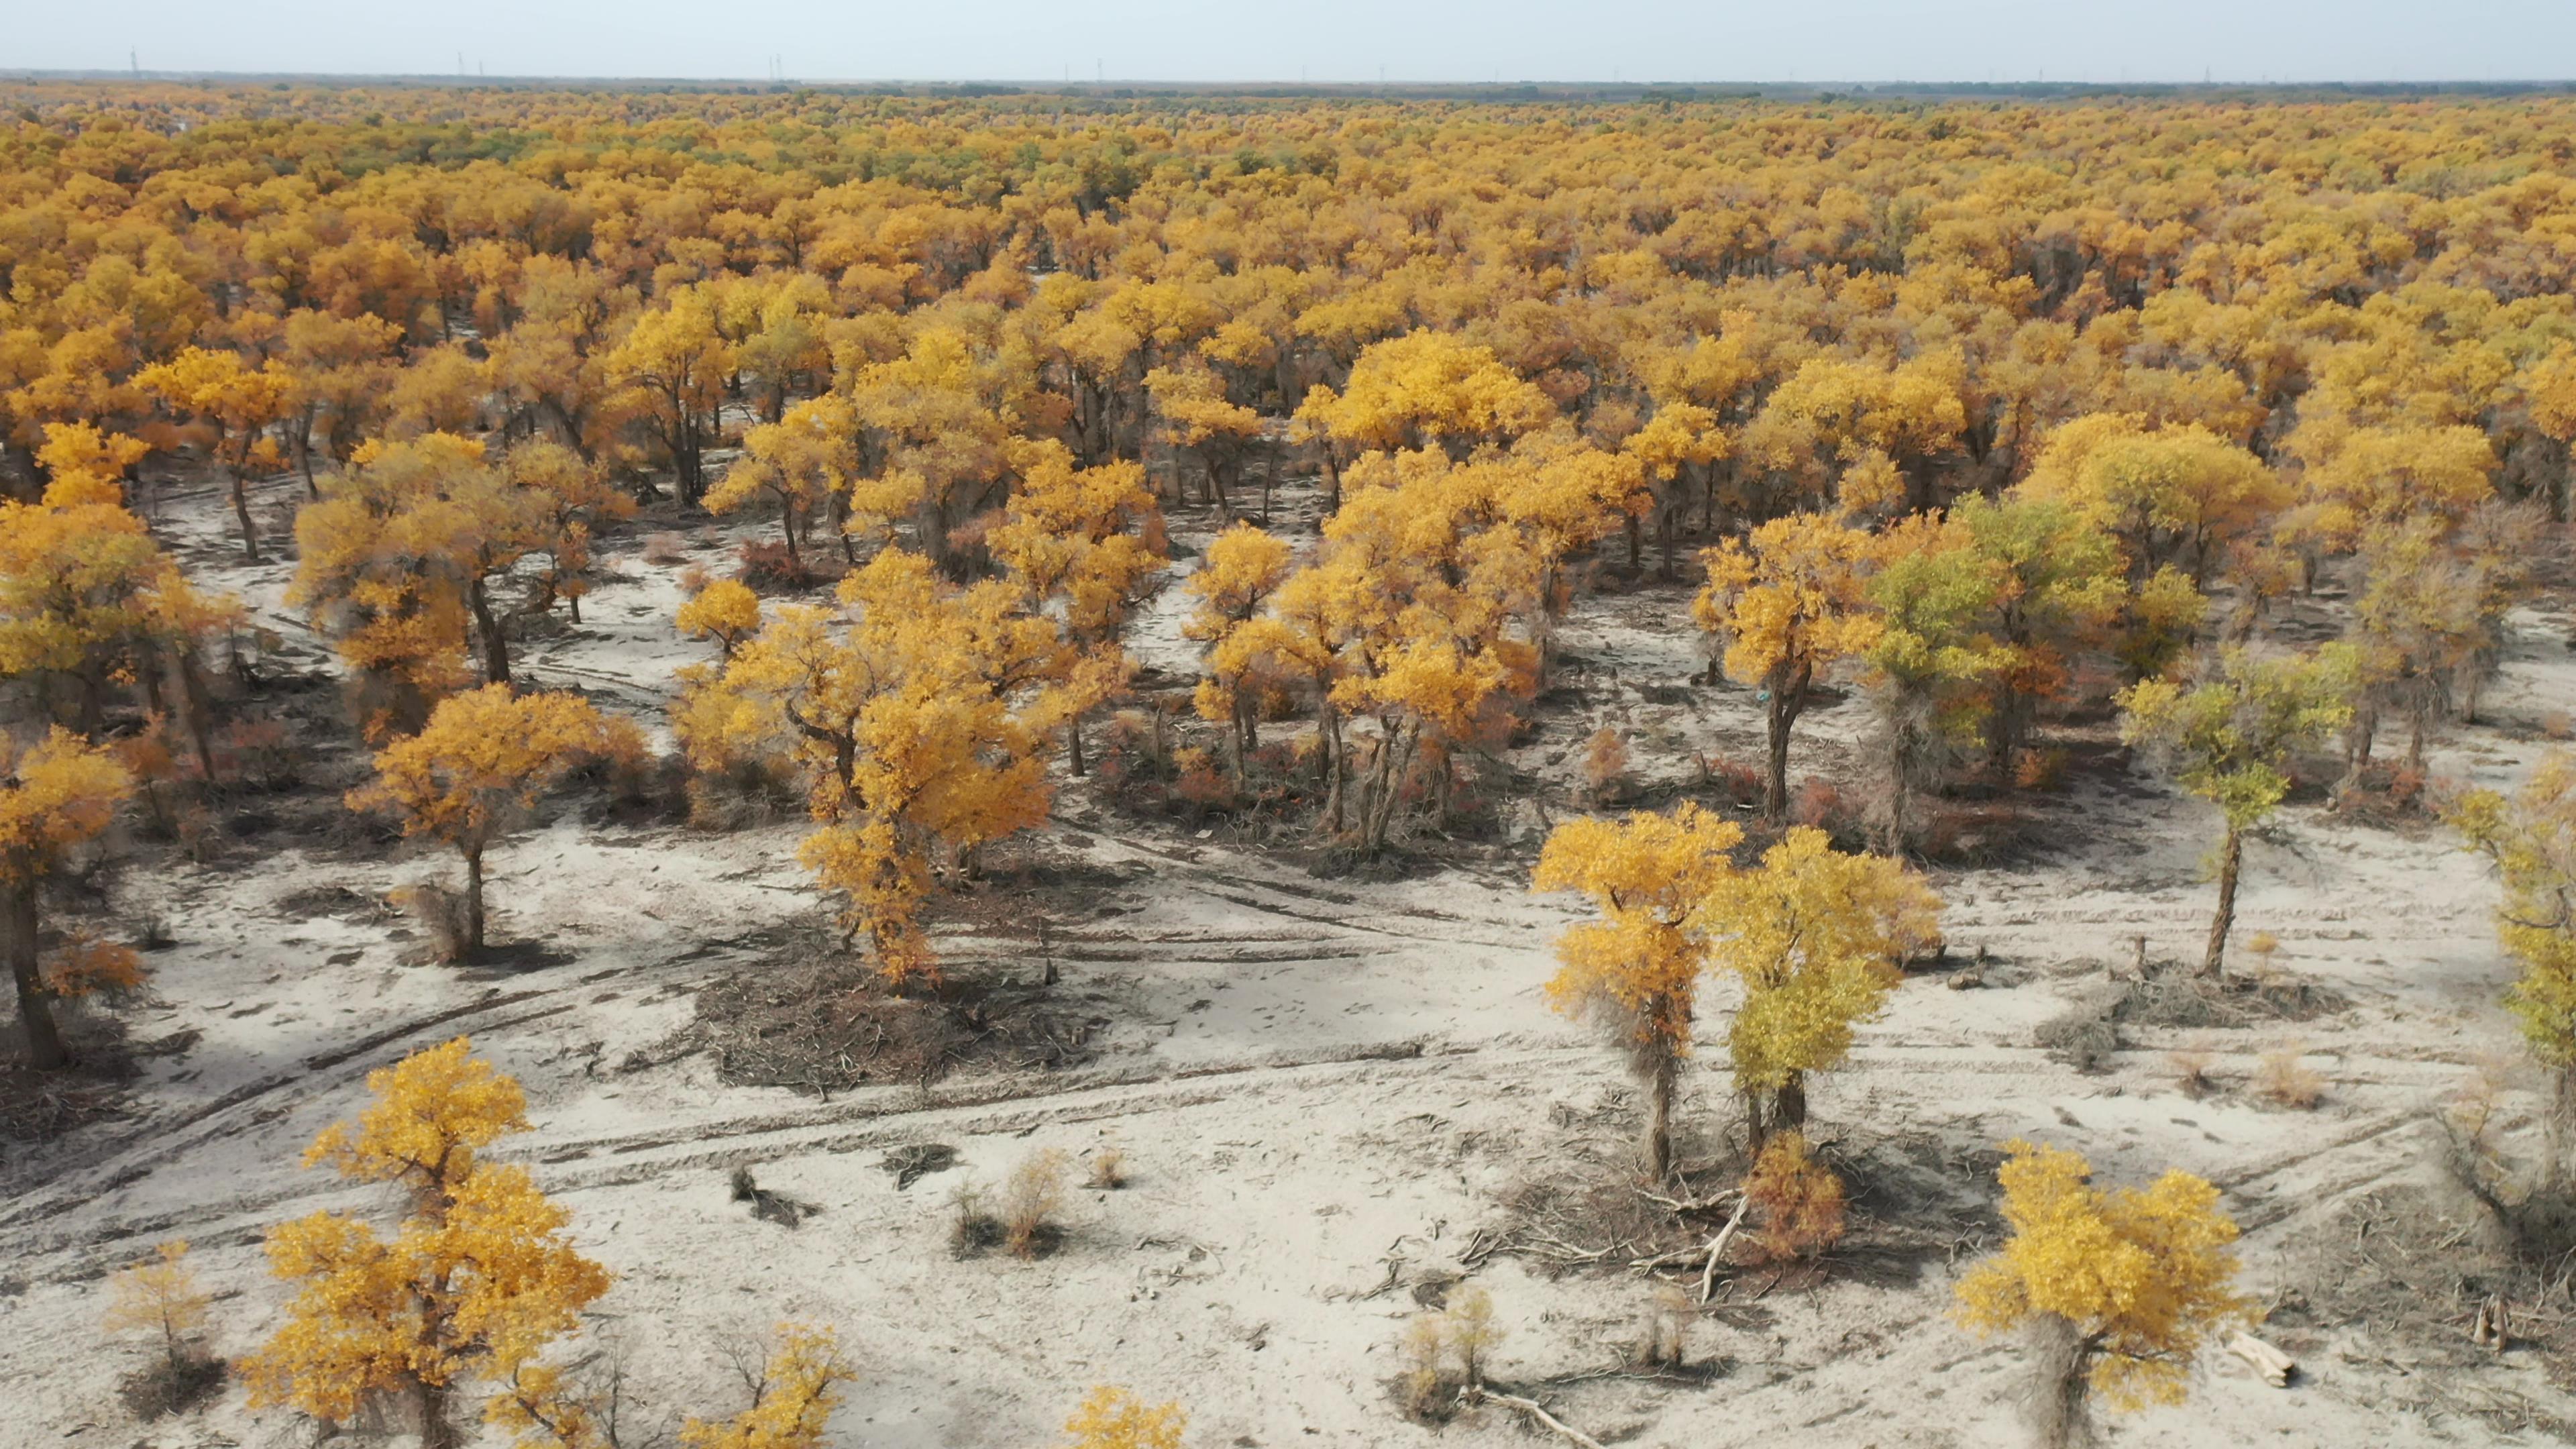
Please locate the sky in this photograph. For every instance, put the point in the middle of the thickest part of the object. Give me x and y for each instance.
(1320, 40)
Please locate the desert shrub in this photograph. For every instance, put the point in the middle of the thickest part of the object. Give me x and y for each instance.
(1820, 806)
(2284, 1082)
(167, 1386)
(1108, 1170)
(440, 913)
(770, 569)
(159, 1299)
(1800, 1199)
(1665, 1331)
(1445, 1352)
(1605, 764)
(2191, 1073)
(1031, 1198)
(1202, 783)
(972, 1227)
(260, 753)
(694, 579)
(86, 964)
(665, 549)
(768, 1206)
(1425, 1386)
(1112, 1418)
(1737, 781)
(2084, 1036)
(2041, 770)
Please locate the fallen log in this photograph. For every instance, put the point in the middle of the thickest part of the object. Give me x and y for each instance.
(2274, 1365)
(1477, 1393)
(1717, 1248)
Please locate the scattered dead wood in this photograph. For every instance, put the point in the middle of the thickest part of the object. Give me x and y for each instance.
(1478, 1394)
(2275, 1366)
(1717, 1247)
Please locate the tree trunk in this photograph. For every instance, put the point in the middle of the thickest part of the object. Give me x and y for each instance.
(192, 708)
(241, 511)
(1073, 741)
(2559, 1129)
(473, 899)
(2231, 857)
(436, 1429)
(1789, 1105)
(1787, 698)
(35, 1003)
(496, 646)
(1659, 1116)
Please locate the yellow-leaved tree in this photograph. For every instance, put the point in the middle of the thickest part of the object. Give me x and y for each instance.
(1637, 968)
(402, 559)
(89, 600)
(2532, 839)
(477, 1280)
(921, 713)
(56, 796)
(1814, 937)
(726, 610)
(791, 1401)
(2118, 1289)
(1081, 542)
(1789, 603)
(799, 462)
(159, 1297)
(1242, 568)
(480, 765)
(2230, 739)
(237, 403)
(1113, 1418)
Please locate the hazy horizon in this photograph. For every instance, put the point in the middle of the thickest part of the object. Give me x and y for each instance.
(1333, 42)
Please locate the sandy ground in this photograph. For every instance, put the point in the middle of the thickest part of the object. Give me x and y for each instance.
(1325, 1092)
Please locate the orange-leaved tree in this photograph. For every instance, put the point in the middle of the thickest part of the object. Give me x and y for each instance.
(481, 763)
(56, 796)
(1637, 968)
(476, 1281)
(2119, 1289)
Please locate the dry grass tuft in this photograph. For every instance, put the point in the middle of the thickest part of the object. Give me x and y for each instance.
(1108, 1170)
(1031, 1198)
(2284, 1082)
(2191, 1073)
(440, 913)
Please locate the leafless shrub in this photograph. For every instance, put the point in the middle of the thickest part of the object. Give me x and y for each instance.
(2284, 1082)
(1605, 764)
(440, 913)
(665, 549)
(1664, 1341)
(2084, 1036)
(972, 1228)
(1108, 1170)
(1031, 1198)
(769, 1206)
(2191, 1072)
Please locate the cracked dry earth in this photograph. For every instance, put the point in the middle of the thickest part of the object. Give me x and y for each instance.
(1329, 1096)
